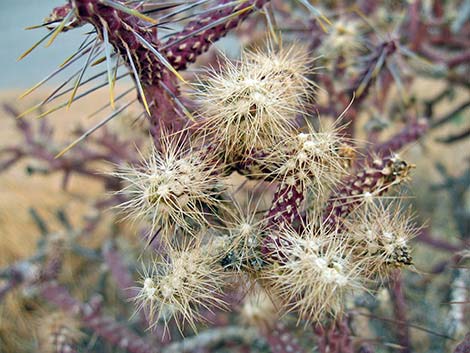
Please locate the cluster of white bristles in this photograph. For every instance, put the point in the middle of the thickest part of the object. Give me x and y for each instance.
(253, 104)
(171, 188)
(183, 286)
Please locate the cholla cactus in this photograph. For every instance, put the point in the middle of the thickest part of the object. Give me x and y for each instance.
(313, 271)
(382, 236)
(325, 234)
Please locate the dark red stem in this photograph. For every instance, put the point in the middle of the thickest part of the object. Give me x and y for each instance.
(198, 35)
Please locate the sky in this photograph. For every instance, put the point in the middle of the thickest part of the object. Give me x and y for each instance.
(14, 40)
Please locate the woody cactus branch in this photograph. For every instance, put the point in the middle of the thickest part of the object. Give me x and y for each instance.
(303, 225)
(137, 44)
(371, 181)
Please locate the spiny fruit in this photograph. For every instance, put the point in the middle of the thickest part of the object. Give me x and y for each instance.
(254, 103)
(174, 186)
(181, 286)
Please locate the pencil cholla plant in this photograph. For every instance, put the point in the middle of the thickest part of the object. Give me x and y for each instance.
(316, 229)
(252, 117)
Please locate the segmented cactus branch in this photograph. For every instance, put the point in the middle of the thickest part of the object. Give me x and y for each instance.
(372, 69)
(196, 38)
(246, 199)
(285, 211)
(137, 44)
(287, 200)
(125, 32)
(372, 181)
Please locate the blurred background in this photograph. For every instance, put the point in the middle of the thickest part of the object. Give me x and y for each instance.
(15, 16)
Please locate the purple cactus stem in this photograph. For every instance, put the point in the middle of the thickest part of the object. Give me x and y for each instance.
(401, 312)
(165, 115)
(411, 133)
(198, 36)
(280, 340)
(287, 201)
(373, 180)
(374, 63)
(284, 211)
(123, 30)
